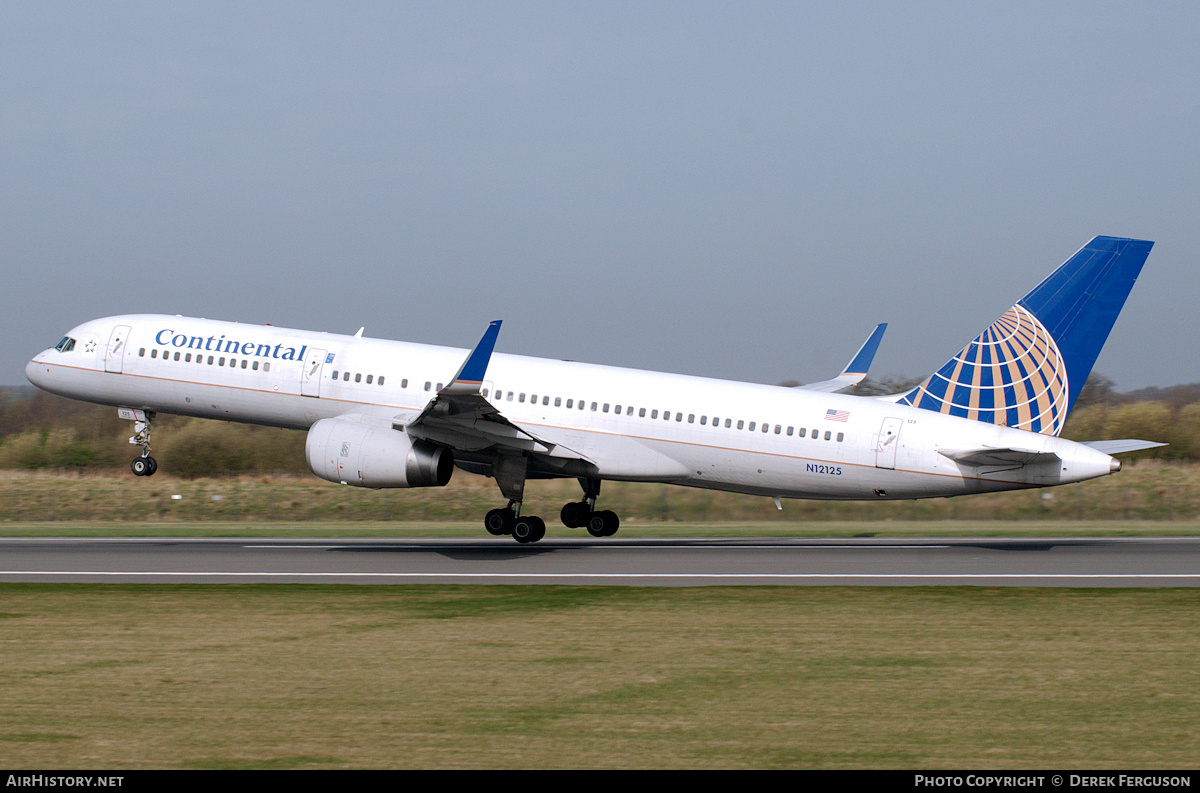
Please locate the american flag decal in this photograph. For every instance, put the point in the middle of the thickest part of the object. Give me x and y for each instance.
(837, 415)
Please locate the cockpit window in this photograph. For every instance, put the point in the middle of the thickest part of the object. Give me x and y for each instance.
(66, 345)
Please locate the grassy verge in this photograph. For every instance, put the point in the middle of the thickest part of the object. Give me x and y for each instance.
(1147, 491)
(440, 676)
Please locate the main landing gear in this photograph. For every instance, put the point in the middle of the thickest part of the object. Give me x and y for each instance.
(583, 514)
(144, 465)
(510, 476)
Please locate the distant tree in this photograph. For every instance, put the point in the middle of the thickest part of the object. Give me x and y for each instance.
(886, 386)
(1098, 390)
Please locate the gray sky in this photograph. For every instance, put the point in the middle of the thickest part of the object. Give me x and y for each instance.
(738, 190)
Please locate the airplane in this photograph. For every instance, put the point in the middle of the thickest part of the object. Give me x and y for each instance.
(393, 414)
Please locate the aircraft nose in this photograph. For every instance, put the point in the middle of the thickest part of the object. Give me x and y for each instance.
(35, 371)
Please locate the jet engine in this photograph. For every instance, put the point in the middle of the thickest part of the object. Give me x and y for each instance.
(353, 453)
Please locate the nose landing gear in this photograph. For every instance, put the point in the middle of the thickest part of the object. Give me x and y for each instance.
(144, 465)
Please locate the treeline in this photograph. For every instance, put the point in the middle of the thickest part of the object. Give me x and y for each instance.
(43, 431)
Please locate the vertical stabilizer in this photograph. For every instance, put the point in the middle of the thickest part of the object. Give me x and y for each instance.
(1026, 369)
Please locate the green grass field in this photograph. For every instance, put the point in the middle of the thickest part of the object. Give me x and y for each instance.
(108, 676)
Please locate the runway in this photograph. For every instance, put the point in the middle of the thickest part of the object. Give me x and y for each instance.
(1067, 562)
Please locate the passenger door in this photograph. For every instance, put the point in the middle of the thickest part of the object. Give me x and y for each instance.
(114, 355)
(310, 378)
(887, 442)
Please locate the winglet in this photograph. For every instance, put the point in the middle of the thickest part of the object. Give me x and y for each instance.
(470, 375)
(856, 370)
(861, 362)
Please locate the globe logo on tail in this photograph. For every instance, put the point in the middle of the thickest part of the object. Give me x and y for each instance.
(1013, 374)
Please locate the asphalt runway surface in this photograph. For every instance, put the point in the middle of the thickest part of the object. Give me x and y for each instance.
(1067, 562)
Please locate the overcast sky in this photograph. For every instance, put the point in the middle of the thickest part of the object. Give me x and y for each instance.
(738, 190)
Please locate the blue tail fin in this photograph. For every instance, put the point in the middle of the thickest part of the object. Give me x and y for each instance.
(1028, 367)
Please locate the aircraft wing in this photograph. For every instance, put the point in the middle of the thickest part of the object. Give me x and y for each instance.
(856, 370)
(460, 416)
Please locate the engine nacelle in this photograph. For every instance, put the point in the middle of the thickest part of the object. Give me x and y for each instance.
(353, 453)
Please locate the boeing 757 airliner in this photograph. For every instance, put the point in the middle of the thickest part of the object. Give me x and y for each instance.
(392, 414)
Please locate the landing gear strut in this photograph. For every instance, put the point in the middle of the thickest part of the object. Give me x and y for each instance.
(510, 471)
(144, 465)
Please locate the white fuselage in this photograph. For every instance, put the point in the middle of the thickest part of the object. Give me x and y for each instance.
(627, 424)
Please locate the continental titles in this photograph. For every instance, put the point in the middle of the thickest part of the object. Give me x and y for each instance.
(169, 338)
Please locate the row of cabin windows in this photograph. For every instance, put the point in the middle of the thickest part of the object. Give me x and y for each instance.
(571, 404)
(607, 407)
(358, 378)
(217, 360)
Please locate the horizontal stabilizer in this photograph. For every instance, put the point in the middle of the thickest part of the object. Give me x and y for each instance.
(988, 456)
(1121, 446)
(856, 370)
